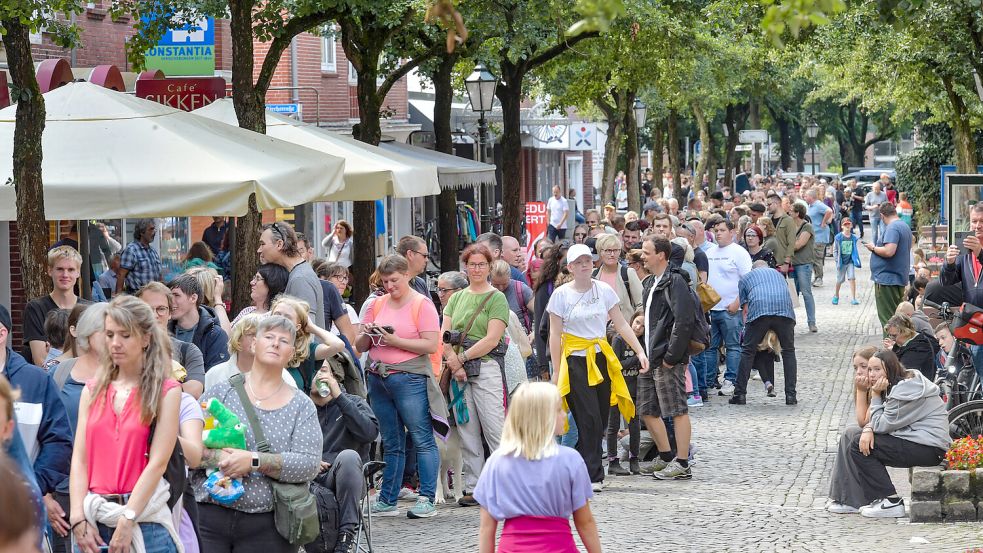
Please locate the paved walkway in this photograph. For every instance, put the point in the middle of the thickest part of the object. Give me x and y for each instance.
(761, 477)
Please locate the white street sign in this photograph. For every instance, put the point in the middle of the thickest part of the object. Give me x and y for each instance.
(752, 136)
(744, 148)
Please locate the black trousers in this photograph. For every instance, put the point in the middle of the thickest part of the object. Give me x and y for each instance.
(225, 530)
(589, 406)
(889, 451)
(634, 427)
(345, 479)
(754, 332)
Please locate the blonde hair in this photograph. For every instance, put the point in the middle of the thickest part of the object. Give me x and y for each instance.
(8, 396)
(531, 421)
(206, 281)
(64, 252)
(499, 268)
(246, 325)
(766, 225)
(607, 242)
(134, 315)
(302, 342)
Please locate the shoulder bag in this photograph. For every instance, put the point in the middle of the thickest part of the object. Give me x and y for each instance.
(445, 373)
(294, 507)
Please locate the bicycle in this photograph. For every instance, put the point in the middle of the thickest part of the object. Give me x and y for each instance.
(430, 235)
(957, 379)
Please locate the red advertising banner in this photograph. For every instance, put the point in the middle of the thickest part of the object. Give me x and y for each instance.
(535, 226)
(187, 94)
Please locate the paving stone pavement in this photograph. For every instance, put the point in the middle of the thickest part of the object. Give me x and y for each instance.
(762, 471)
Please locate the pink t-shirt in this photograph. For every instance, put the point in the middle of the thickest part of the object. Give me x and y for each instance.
(116, 445)
(402, 320)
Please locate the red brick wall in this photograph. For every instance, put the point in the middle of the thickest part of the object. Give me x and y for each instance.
(588, 181)
(17, 298)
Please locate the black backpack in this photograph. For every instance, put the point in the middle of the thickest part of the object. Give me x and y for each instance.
(176, 471)
(700, 339)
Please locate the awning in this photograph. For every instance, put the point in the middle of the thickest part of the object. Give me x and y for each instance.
(371, 173)
(111, 155)
(452, 171)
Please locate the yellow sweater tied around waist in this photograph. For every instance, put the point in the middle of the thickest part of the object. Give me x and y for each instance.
(619, 389)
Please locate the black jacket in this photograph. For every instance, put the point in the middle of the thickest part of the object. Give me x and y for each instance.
(961, 272)
(917, 355)
(670, 323)
(209, 337)
(347, 423)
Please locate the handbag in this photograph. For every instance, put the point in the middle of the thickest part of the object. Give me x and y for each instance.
(708, 296)
(792, 292)
(445, 373)
(294, 507)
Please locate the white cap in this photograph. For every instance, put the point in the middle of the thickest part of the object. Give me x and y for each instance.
(577, 251)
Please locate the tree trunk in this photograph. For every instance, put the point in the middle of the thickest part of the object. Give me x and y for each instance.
(704, 125)
(658, 149)
(962, 131)
(447, 201)
(673, 145)
(784, 143)
(32, 231)
(710, 151)
(250, 107)
(509, 93)
(369, 130)
(615, 116)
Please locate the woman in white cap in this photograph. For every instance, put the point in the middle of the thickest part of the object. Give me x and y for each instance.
(589, 383)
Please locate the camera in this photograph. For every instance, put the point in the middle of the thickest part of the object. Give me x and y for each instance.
(452, 336)
(376, 330)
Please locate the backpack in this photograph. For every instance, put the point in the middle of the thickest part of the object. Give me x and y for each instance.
(526, 323)
(175, 474)
(624, 279)
(700, 339)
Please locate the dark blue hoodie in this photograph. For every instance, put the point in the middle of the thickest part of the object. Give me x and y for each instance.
(209, 337)
(41, 421)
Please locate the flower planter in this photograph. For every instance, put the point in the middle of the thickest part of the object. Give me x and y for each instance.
(939, 495)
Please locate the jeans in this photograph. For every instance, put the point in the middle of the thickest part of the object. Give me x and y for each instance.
(570, 437)
(876, 227)
(977, 352)
(699, 363)
(725, 329)
(225, 530)
(858, 221)
(803, 283)
(155, 538)
(401, 405)
(691, 368)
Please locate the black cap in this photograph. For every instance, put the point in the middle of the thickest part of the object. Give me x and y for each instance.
(758, 207)
(5, 319)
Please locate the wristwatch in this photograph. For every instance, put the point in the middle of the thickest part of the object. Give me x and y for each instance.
(130, 515)
(255, 463)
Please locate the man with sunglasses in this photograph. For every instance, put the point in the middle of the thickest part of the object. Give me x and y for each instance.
(278, 244)
(414, 249)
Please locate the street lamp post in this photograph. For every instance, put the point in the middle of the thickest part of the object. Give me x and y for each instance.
(641, 111)
(813, 131)
(481, 85)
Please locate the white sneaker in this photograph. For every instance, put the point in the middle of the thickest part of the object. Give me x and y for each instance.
(884, 508)
(755, 375)
(727, 389)
(407, 494)
(597, 486)
(841, 509)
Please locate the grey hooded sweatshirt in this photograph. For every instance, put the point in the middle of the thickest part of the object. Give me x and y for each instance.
(913, 411)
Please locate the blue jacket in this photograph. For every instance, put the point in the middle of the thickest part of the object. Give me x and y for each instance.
(209, 337)
(961, 272)
(836, 249)
(41, 421)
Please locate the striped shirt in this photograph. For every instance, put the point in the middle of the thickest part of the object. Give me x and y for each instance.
(765, 293)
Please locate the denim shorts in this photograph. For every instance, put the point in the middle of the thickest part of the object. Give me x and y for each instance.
(845, 272)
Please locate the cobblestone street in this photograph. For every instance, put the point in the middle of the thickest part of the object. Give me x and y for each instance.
(762, 471)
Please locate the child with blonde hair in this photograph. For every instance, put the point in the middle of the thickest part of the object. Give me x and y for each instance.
(533, 484)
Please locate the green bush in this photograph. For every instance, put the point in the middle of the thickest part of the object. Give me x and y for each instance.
(918, 171)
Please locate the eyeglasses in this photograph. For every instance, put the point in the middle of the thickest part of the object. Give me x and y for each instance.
(344, 278)
(445, 290)
(481, 265)
(275, 228)
(611, 251)
(424, 254)
(256, 278)
(162, 310)
(893, 336)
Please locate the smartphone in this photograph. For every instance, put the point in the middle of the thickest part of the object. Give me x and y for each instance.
(388, 329)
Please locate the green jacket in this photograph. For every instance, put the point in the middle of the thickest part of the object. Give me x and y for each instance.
(785, 234)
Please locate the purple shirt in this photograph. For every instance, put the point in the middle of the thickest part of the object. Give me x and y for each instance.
(511, 486)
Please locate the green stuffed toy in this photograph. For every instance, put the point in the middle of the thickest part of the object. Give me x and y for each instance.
(228, 430)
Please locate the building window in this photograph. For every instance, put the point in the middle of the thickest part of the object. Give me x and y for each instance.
(329, 60)
(352, 74)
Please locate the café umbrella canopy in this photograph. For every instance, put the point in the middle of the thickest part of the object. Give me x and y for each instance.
(111, 155)
(371, 173)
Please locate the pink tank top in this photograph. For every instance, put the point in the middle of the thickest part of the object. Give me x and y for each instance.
(116, 445)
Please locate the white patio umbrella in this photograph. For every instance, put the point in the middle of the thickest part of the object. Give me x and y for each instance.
(371, 173)
(111, 155)
(452, 171)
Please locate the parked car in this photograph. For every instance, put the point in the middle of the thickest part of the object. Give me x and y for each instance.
(870, 176)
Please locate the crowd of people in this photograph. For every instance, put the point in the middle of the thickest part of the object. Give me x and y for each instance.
(560, 365)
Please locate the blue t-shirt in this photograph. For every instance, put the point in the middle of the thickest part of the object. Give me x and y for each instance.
(817, 211)
(893, 271)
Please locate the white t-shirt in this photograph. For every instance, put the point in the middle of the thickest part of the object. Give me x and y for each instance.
(727, 266)
(558, 212)
(584, 314)
(656, 279)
